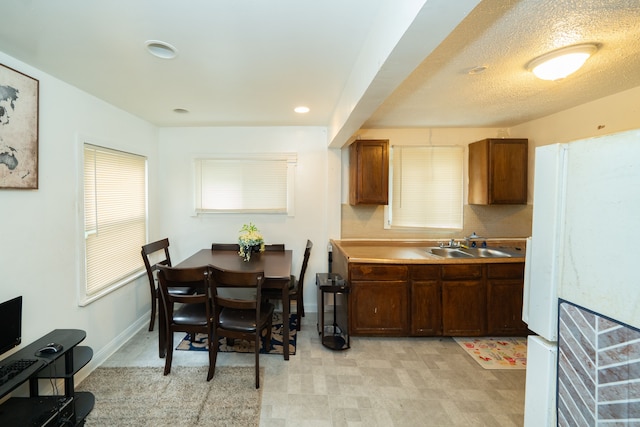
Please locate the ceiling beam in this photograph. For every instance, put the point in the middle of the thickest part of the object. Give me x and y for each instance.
(401, 39)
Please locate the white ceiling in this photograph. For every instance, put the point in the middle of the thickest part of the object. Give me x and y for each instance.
(355, 63)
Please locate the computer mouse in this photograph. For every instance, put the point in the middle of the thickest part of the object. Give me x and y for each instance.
(51, 348)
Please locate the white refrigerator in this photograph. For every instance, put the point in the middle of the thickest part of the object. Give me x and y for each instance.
(586, 224)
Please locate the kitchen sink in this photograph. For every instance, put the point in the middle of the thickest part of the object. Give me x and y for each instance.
(450, 253)
(486, 252)
(468, 253)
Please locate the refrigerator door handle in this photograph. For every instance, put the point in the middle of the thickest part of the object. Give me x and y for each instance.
(527, 281)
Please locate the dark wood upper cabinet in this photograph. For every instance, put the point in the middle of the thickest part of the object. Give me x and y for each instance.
(369, 172)
(498, 171)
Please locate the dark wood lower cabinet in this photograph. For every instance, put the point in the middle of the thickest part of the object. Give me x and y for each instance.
(379, 308)
(463, 308)
(426, 308)
(435, 299)
(504, 299)
(426, 300)
(463, 300)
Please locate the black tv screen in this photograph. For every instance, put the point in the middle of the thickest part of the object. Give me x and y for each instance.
(10, 324)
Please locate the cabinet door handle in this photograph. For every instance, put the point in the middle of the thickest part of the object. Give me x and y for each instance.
(375, 310)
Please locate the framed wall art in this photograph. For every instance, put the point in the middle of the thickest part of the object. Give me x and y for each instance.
(18, 129)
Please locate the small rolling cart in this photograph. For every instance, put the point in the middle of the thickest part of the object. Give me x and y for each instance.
(333, 311)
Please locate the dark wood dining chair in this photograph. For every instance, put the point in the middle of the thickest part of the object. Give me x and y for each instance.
(190, 313)
(296, 288)
(158, 250)
(240, 318)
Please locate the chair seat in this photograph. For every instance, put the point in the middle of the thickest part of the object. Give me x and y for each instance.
(242, 320)
(191, 314)
(181, 291)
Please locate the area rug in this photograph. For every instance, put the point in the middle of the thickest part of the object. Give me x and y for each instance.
(145, 397)
(496, 352)
(242, 346)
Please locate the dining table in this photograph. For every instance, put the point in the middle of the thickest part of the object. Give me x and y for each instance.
(276, 266)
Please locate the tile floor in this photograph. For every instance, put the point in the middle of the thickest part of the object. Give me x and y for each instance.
(378, 382)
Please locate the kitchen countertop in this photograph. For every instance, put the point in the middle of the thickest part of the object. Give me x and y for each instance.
(416, 252)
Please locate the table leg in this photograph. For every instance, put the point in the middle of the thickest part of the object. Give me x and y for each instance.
(285, 315)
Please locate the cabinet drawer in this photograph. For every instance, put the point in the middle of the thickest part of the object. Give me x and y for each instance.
(505, 271)
(461, 271)
(425, 272)
(378, 272)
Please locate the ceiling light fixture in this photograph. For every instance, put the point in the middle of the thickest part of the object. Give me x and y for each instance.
(560, 63)
(301, 110)
(161, 49)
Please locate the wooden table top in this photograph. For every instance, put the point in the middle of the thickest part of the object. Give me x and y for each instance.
(275, 264)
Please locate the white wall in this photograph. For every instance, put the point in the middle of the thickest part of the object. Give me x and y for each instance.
(41, 248)
(188, 233)
(611, 114)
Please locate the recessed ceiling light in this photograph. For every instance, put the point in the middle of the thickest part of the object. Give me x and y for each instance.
(161, 49)
(180, 110)
(560, 63)
(301, 109)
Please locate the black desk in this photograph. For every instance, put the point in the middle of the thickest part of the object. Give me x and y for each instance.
(39, 410)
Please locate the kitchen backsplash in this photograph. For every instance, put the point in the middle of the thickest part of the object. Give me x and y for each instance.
(508, 221)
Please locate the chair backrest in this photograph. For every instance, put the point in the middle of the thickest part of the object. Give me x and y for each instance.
(274, 247)
(305, 261)
(148, 251)
(169, 277)
(225, 247)
(220, 278)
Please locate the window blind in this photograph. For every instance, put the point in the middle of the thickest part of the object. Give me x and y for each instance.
(427, 186)
(115, 216)
(257, 184)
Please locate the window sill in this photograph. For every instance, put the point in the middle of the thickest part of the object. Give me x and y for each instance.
(85, 300)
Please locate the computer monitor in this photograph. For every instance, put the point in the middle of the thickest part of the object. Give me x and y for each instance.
(10, 324)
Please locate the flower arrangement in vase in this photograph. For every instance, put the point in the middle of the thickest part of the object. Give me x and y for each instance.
(250, 241)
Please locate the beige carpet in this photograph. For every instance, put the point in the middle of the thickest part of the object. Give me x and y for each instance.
(145, 397)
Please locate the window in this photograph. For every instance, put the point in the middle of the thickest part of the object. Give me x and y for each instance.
(262, 183)
(115, 216)
(426, 188)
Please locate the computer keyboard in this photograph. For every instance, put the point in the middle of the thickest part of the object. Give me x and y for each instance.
(13, 368)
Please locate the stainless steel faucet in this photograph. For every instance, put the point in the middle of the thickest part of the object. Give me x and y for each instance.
(452, 244)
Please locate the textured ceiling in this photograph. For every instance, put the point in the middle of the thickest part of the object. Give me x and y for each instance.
(504, 36)
(240, 62)
(250, 62)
